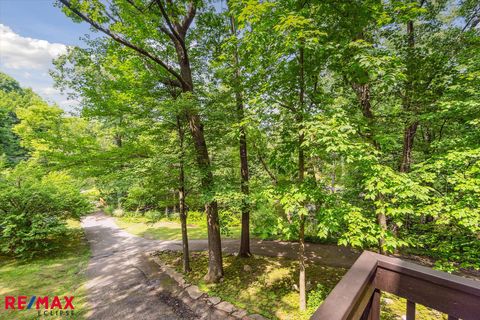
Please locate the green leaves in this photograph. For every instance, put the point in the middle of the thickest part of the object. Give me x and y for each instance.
(251, 10)
(336, 81)
(34, 206)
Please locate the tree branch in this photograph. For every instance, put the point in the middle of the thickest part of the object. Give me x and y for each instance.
(135, 6)
(286, 106)
(168, 33)
(169, 24)
(123, 41)
(192, 10)
(265, 167)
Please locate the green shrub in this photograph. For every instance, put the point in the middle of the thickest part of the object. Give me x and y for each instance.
(154, 216)
(197, 217)
(143, 198)
(316, 297)
(451, 246)
(34, 207)
(228, 220)
(265, 224)
(108, 209)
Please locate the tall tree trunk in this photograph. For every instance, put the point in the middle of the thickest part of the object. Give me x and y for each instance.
(245, 235)
(408, 139)
(244, 172)
(411, 127)
(301, 172)
(215, 266)
(382, 222)
(363, 95)
(181, 197)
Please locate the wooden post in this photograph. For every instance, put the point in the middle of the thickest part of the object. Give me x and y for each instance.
(375, 306)
(410, 310)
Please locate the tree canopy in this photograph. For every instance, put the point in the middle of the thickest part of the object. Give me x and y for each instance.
(348, 122)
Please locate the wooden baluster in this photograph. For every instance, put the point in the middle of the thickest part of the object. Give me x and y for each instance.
(375, 306)
(410, 310)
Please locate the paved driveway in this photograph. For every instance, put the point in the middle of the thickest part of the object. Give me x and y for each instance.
(117, 288)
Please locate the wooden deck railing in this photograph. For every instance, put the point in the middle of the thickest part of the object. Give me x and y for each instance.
(357, 295)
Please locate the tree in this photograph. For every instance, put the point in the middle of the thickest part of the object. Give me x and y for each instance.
(131, 24)
(35, 199)
(140, 115)
(236, 81)
(283, 64)
(12, 97)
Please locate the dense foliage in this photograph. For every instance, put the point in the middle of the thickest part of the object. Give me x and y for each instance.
(36, 199)
(361, 119)
(34, 207)
(352, 122)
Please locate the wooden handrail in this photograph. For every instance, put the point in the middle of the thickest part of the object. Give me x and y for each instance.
(357, 295)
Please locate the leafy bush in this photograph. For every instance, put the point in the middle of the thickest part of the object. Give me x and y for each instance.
(154, 215)
(197, 217)
(228, 219)
(451, 227)
(142, 198)
(34, 206)
(316, 297)
(451, 246)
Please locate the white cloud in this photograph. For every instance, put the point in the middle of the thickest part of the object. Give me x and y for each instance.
(47, 91)
(28, 60)
(17, 52)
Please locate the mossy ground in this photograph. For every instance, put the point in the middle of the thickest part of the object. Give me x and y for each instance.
(268, 287)
(61, 273)
(394, 307)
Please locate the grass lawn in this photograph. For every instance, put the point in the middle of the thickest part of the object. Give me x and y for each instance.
(268, 286)
(62, 274)
(166, 230)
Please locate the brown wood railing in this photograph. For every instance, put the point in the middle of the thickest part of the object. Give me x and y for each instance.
(357, 295)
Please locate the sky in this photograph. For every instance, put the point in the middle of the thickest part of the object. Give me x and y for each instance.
(32, 33)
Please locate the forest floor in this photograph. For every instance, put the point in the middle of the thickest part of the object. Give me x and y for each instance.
(267, 286)
(61, 273)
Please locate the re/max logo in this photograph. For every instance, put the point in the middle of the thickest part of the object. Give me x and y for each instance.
(20, 302)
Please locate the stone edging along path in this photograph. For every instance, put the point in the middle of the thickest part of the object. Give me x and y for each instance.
(202, 305)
